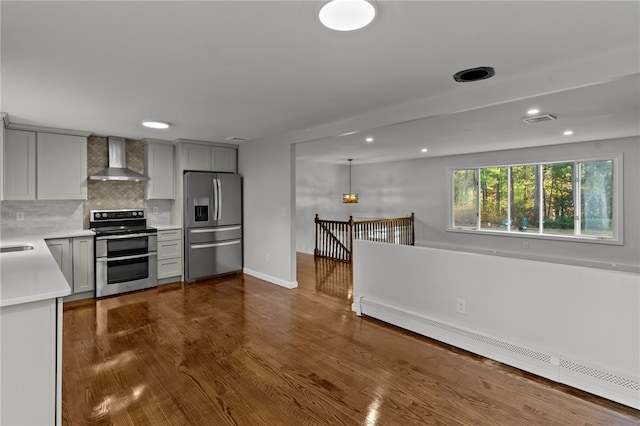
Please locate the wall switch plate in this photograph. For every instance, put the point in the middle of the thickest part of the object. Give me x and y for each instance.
(154, 210)
(283, 212)
(19, 216)
(461, 306)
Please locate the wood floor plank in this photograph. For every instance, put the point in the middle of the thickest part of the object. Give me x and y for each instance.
(241, 351)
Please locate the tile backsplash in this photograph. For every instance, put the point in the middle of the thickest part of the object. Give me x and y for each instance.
(113, 195)
(162, 209)
(40, 216)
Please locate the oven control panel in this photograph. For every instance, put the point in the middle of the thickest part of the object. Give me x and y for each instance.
(102, 215)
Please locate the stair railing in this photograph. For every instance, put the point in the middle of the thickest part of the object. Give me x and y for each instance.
(334, 239)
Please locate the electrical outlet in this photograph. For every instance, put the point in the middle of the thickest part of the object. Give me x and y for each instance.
(20, 216)
(461, 306)
(155, 210)
(268, 257)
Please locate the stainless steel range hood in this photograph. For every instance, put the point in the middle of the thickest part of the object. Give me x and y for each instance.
(117, 169)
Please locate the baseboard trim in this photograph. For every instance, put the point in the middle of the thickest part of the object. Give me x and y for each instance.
(597, 380)
(269, 278)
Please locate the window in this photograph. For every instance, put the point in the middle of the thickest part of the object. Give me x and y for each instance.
(576, 199)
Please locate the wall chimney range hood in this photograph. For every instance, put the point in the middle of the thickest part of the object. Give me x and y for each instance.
(117, 169)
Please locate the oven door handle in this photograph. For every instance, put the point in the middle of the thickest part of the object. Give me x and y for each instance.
(122, 237)
(137, 256)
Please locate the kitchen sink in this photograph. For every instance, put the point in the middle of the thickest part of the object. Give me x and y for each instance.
(17, 247)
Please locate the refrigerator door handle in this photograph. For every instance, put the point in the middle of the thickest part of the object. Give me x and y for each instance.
(203, 246)
(219, 199)
(207, 230)
(215, 199)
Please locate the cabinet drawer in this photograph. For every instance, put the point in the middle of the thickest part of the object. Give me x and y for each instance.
(169, 249)
(170, 234)
(169, 268)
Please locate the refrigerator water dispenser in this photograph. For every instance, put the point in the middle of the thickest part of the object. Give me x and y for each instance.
(201, 209)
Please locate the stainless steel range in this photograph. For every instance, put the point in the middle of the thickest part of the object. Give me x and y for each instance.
(126, 251)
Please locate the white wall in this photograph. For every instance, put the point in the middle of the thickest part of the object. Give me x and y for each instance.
(575, 325)
(269, 249)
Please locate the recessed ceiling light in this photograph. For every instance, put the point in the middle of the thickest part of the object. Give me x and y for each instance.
(369, 139)
(533, 111)
(424, 150)
(347, 15)
(155, 124)
(568, 132)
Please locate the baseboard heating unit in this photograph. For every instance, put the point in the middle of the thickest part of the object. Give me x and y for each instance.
(573, 372)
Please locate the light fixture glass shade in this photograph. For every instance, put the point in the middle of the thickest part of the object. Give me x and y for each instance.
(156, 124)
(350, 198)
(347, 15)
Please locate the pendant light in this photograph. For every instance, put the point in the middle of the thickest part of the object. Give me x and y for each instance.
(350, 198)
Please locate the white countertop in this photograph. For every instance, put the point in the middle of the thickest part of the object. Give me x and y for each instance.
(32, 275)
(166, 227)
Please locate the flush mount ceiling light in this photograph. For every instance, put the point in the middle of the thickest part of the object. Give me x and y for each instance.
(369, 139)
(350, 198)
(567, 132)
(474, 74)
(533, 111)
(347, 15)
(155, 124)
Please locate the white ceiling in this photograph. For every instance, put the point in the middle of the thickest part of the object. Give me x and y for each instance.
(217, 69)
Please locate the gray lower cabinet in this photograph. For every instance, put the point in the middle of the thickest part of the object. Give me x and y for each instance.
(169, 255)
(83, 264)
(31, 367)
(76, 260)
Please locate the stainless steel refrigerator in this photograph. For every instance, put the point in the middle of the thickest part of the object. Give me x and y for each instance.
(212, 224)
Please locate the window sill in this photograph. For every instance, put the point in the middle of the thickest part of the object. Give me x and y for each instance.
(554, 237)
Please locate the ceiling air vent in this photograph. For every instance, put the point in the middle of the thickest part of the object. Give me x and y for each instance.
(236, 139)
(539, 118)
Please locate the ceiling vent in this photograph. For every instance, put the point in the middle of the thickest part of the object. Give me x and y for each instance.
(237, 139)
(539, 118)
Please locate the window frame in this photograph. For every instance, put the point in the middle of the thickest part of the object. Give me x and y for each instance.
(617, 202)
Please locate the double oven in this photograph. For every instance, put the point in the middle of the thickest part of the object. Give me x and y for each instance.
(125, 251)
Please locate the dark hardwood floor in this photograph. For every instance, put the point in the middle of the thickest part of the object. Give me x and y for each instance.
(241, 351)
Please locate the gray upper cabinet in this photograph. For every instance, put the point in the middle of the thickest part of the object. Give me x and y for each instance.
(210, 158)
(196, 157)
(61, 167)
(223, 159)
(159, 165)
(19, 165)
(44, 166)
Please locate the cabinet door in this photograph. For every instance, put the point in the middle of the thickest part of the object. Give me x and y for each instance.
(169, 249)
(159, 161)
(196, 157)
(61, 250)
(223, 159)
(83, 264)
(62, 167)
(28, 351)
(19, 165)
(169, 234)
